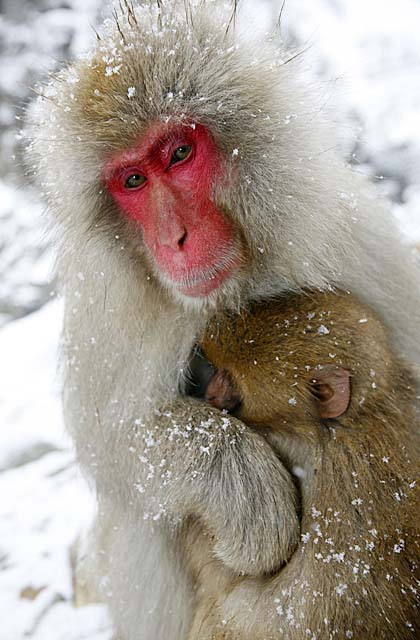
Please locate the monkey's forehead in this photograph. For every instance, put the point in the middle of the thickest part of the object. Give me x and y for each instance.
(150, 64)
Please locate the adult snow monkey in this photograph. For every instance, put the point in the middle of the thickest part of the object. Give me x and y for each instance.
(188, 171)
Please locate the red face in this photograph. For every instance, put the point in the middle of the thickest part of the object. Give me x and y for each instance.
(165, 183)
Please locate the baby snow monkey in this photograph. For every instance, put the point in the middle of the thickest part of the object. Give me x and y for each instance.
(317, 374)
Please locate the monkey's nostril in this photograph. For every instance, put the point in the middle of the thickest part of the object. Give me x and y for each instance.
(182, 240)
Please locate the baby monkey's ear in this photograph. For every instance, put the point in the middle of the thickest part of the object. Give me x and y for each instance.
(330, 387)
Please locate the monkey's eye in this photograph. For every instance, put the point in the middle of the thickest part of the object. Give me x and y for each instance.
(135, 181)
(182, 153)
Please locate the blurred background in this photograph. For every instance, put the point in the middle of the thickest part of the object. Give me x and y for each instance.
(364, 57)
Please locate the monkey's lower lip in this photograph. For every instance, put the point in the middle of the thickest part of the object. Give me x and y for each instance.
(205, 284)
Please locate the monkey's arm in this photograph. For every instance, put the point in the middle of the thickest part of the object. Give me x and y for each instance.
(193, 460)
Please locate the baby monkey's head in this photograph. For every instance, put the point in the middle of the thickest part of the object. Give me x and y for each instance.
(313, 355)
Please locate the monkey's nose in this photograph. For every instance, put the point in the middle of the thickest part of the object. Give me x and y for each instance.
(222, 394)
(174, 236)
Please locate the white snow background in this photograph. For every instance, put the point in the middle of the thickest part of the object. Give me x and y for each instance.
(364, 54)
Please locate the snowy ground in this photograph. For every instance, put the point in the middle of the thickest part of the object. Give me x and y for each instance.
(372, 47)
(44, 502)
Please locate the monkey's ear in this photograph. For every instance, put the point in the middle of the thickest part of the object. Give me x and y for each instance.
(331, 389)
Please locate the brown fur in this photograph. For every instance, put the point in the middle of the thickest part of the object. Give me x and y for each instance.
(356, 571)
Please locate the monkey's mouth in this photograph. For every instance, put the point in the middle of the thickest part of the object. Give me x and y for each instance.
(203, 283)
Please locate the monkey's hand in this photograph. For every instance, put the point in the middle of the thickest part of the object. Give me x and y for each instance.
(251, 505)
(222, 472)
